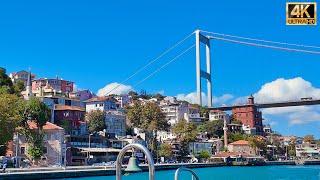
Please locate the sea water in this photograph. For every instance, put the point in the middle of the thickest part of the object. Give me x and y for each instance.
(235, 172)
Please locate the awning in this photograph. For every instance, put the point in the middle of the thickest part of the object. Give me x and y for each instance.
(107, 150)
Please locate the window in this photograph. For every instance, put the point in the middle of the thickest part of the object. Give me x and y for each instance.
(22, 150)
(45, 150)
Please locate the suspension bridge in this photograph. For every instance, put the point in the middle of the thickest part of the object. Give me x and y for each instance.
(205, 37)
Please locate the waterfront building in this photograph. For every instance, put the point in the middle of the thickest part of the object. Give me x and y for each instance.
(241, 146)
(212, 146)
(249, 115)
(307, 150)
(53, 143)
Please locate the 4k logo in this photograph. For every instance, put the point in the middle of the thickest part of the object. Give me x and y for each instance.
(301, 13)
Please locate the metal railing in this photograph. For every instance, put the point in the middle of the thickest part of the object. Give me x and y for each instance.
(145, 151)
(176, 175)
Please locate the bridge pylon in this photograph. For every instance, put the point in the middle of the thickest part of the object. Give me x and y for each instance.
(200, 73)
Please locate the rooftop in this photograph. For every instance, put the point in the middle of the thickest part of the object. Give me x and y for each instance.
(59, 107)
(240, 142)
(47, 126)
(100, 98)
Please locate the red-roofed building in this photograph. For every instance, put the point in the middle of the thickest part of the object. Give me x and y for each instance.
(241, 146)
(53, 145)
(72, 118)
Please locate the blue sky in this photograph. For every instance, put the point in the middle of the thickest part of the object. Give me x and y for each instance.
(100, 42)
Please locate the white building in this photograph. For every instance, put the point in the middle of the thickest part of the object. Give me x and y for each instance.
(116, 123)
(248, 130)
(216, 115)
(102, 103)
(123, 100)
(165, 136)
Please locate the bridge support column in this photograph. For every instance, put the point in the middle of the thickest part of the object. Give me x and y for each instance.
(198, 68)
(203, 74)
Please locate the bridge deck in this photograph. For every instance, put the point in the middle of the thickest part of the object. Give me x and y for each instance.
(272, 105)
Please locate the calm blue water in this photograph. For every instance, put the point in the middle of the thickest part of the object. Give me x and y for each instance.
(238, 173)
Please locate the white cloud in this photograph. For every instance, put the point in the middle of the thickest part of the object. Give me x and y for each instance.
(290, 89)
(115, 88)
(286, 89)
(192, 98)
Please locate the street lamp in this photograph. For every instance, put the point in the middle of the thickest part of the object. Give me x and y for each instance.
(89, 145)
(65, 156)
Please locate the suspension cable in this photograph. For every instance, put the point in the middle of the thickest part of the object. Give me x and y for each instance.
(265, 46)
(261, 40)
(165, 65)
(151, 62)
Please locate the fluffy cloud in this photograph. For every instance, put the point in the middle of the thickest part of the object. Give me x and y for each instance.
(290, 89)
(115, 88)
(192, 98)
(286, 89)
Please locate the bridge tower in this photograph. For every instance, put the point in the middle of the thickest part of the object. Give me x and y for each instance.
(200, 73)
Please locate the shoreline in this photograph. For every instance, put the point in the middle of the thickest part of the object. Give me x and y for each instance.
(89, 171)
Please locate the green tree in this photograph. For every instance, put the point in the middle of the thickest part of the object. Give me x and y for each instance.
(11, 114)
(309, 138)
(165, 150)
(133, 95)
(18, 87)
(232, 137)
(258, 144)
(38, 113)
(213, 128)
(6, 84)
(150, 119)
(204, 155)
(96, 121)
(186, 133)
(158, 96)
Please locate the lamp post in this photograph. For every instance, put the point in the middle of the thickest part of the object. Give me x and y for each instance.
(89, 145)
(65, 156)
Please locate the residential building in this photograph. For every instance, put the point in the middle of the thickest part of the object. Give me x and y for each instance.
(21, 76)
(234, 128)
(53, 145)
(212, 146)
(122, 100)
(249, 130)
(241, 146)
(54, 86)
(81, 95)
(215, 115)
(165, 136)
(175, 111)
(116, 123)
(72, 118)
(102, 103)
(193, 115)
(249, 115)
(267, 130)
(307, 150)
